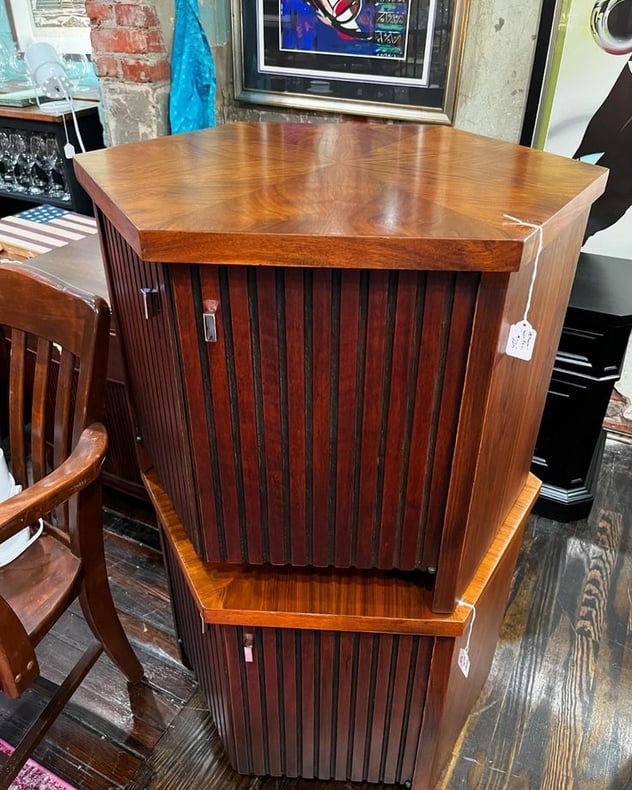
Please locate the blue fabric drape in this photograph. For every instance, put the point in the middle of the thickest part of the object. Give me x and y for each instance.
(192, 98)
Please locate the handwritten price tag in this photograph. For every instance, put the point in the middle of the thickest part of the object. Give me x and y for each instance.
(521, 340)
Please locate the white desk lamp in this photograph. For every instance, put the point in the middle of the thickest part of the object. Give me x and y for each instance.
(48, 72)
(49, 75)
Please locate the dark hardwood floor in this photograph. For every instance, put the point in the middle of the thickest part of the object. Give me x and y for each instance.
(556, 711)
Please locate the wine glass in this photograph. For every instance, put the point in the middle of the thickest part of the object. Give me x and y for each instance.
(47, 158)
(18, 68)
(76, 66)
(28, 153)
(10, 155)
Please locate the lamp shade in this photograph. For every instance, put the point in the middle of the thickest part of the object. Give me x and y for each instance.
(47, 70)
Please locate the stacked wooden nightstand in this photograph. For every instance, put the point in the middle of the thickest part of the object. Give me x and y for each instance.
(315, 322)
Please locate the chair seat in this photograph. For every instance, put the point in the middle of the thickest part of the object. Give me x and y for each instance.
(40, 583)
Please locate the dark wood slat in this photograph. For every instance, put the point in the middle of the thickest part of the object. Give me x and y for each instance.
(323, 407)
(305, 656)
(374, 386)
(272, 451)
(275, 725)
(249, 522)
(297, 451)
(345, 707)
(349, 413)
(226, 497)
(395, 455)
(286, 646)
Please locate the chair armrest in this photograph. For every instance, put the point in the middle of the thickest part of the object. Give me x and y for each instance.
(80, 469)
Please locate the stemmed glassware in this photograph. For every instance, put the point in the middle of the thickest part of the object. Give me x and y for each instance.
(10, 151)
(77, 68)
(31, 163)
(47, 158)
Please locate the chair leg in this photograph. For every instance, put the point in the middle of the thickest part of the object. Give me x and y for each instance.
(95, 596)
(101, 616)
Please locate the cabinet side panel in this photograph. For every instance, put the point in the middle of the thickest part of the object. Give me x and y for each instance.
(155, 379)
(517, 395)
(331, 407)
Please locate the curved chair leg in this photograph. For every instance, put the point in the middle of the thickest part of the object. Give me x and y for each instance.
(101, 616)
(95, 596)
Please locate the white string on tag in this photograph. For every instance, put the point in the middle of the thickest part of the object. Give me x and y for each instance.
(464, 653)
(522, 335)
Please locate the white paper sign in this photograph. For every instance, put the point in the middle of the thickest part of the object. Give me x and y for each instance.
(464, 661)
(521, 340)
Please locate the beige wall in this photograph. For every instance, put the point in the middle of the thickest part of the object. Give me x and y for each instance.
(496, 67)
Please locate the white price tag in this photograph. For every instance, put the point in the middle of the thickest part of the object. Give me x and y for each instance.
(69, 150)
(521, 340)
(464, 661)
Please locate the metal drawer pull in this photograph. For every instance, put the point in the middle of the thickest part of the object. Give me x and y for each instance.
(248, 648)
(210, 321)
(150, 302)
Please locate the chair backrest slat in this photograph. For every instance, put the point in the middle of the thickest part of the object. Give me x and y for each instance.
(64, 402)
(17, 388)
(41, 381)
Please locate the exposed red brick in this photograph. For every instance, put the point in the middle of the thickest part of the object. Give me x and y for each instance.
(140, 16)
(107, 66)
(155, 41)
(99, 12)
(143, 71)
(127, 41)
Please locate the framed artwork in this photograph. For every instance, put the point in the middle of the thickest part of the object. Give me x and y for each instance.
(580, 105)
(381, 58)
(64, 25)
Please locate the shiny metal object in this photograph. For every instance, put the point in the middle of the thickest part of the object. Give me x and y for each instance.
(210, 321)
(600, 27)
(150, 302)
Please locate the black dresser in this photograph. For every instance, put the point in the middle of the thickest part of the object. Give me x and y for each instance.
(588, 363)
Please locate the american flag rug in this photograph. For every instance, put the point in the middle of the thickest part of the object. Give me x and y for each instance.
(43, 228)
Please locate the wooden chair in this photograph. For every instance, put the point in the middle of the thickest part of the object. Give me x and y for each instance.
(54, 341)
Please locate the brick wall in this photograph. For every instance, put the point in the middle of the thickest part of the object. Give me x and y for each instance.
(132, 62)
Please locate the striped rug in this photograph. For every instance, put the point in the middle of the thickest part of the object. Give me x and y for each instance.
(41, 229)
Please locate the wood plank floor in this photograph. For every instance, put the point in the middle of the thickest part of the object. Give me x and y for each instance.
(556, 712)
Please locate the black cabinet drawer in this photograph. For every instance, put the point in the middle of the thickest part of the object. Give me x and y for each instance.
(570, 428)
(590, 347)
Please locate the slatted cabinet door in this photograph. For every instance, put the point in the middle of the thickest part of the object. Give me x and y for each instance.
(325, 704)
(329, 409)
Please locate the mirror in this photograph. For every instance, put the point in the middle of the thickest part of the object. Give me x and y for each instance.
(66, 26)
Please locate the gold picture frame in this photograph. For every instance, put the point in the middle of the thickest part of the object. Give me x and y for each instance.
(398, 59)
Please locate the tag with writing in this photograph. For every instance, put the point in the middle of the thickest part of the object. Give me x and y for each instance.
(464, 662)
(521, 340)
